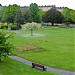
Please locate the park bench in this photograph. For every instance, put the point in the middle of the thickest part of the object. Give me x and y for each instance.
(39, 66)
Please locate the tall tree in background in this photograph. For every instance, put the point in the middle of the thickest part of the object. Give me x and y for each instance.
(19, 19)
(41, 14)
(9, 18)
(11, 9)
(53, 16)
(35, 14)
(2, 8)
(73, 16)
(27, 15)
(66, 13)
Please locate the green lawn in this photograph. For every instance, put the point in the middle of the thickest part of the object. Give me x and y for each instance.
(11, 67)
(58, 52)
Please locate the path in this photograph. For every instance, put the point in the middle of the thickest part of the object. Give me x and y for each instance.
(59, 71)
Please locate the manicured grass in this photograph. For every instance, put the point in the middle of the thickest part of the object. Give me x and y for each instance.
(11, 67)
(57, 52)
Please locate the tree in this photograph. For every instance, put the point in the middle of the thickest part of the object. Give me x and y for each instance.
(73, 16)
(0, 4)
(19, 18)
(4, 47)
(66, 13)
(35, 14)
(2, 8)
(31, 26)
(52, 16)
(9, 18)
(11, 9)
(41, 14)
(27, 15)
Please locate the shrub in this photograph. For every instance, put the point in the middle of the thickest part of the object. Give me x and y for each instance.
(14, 27)
(2, 26)
(5, 24)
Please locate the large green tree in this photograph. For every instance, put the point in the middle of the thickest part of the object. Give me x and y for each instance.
(9, 18)
(11, 9)
(73, 16)
(66, 13)
(35, 12)
(53, 16)
(19, 19)
(26, 14)
(5, 48)
(0, 4)
(2, 8)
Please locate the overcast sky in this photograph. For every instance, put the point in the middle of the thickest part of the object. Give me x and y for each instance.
(58, 3)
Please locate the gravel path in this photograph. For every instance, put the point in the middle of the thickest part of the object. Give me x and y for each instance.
(55, 70)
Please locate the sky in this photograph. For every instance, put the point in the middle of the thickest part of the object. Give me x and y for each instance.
(59, 3)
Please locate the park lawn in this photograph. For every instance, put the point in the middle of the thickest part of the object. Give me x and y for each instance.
(12, 67)
(57, 52)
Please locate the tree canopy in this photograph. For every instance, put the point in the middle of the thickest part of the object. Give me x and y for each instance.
(69, 15)
(66, 14)
(35, 12)
(11, 9)
(73, 16)
(19, 19)
(1, 11)
(4, 47)
(53, 16)
(27, 15)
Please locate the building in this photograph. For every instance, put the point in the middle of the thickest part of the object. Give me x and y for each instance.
(46, 8)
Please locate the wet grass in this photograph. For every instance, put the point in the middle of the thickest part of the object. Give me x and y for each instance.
(57, 47)
(12, 67)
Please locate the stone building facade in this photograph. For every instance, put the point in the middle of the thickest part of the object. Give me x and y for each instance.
(46, 8)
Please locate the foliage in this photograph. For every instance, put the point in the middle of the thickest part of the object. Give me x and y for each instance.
(9, 18)
(53, 16)
(66, 14)
(73, 16)
(4, 47)
(14, 27)
(33, 25)
(35, 12)
(0, 4)
(19, 18)
(41, 14)
(27, 15)
(1, 11)
(69, 15)
(2, 26)
(11, 9)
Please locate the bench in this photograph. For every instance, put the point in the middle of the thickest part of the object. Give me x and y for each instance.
(39, 66)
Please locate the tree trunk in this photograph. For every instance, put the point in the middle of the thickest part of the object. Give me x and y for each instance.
(0, 58)
(52, 24)
(31, 32)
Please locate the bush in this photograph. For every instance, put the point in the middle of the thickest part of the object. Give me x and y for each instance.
(14, 27)
(2, 26)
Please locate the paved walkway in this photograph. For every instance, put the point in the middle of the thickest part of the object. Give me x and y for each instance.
(55, 70)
